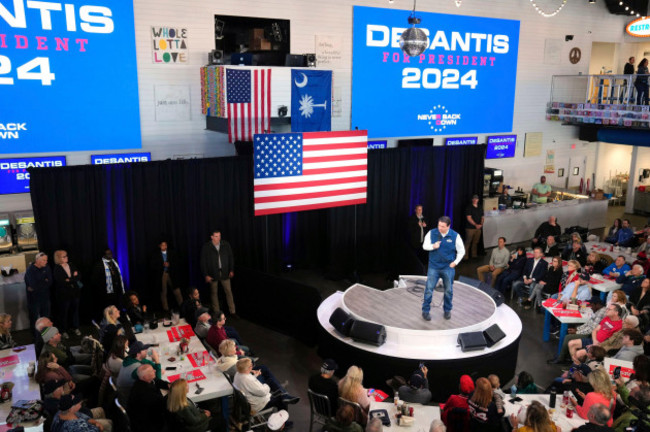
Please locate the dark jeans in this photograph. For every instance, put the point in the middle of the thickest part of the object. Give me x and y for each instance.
(232, 334)
(278, 392)
(641, 93)
(505, 279)
(68, 311)
(37, 307)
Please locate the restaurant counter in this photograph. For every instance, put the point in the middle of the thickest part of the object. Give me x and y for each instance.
(520, 225)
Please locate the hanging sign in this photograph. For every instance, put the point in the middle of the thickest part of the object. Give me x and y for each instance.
(640, 27)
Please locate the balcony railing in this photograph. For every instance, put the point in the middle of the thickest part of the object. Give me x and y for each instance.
(598, 99)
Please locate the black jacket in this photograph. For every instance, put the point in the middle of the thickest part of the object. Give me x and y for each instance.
(414, 231)
(210, 260)
(540, 270)
(580, 256)
(146, 406)
(546, 229)
(65, 286)
(156, 267)
(39, 280)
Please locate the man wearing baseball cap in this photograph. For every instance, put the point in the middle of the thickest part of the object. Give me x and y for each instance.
(325, 384)
(203, 325)
(417, 390)
(136, 358)
(69, 413)
(278, 421)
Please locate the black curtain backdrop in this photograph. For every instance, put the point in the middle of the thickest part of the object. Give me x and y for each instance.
(131, 207)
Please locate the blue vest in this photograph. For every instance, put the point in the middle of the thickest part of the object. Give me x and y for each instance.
(446, 254)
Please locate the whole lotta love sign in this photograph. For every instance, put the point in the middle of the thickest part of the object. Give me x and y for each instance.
(169, 45)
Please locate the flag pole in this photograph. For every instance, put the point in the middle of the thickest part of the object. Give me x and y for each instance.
(266, 243)
(355, 274)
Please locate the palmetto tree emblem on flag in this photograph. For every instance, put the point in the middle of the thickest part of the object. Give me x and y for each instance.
(307, 106)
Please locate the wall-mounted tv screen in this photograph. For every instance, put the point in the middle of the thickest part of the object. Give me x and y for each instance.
(14, 177)
(501, 146)
(461, 141)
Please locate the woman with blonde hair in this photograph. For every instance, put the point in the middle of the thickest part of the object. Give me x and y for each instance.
(483, 411)
(351, 388)
(109, 328)
(189, 417)
(67, 289)
(6, 341)
(603, 393)
(537, 420)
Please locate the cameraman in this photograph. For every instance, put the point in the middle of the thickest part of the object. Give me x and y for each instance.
(638, 404)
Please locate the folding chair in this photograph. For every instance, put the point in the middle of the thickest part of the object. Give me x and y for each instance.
(320, 409)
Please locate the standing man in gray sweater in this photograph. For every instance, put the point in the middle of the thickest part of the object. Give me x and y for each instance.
(498, 262)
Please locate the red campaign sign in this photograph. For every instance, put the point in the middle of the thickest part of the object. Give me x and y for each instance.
(625, 371)
(195, 375)
(567, 313)
(9, 361)
(609, 277)
(200, 359)
(565, 263)
(595, 281)
(550, 303)
(185, 331)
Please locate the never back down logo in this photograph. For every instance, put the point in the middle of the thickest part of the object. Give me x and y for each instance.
(12, 130)
(439, 118)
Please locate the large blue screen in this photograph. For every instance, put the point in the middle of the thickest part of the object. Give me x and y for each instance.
(464, 82)
(14, 177)
(68, 77)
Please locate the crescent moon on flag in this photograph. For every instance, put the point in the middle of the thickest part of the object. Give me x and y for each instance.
(303, 82)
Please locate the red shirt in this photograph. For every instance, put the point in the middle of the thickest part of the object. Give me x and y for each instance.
(215, 336)
(608, 328)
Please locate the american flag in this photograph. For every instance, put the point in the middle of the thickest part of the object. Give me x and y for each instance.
(249, 103)
(311, 170)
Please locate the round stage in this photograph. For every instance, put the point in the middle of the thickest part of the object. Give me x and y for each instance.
(410, 339)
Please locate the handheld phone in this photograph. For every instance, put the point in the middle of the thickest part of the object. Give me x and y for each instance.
(170, 368)
(617, 372)
(421, 365)
(199, 390)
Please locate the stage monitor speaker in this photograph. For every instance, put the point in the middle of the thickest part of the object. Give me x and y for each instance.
(496, 295)
(471, 341)
(370, 333)
(493, 334)
(341, 321)
(310, 60)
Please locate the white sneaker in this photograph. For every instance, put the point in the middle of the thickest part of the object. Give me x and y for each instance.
(77, 332)
(65, 335)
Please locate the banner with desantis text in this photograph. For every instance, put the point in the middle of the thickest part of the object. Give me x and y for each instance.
(463, 83)
(68, 76)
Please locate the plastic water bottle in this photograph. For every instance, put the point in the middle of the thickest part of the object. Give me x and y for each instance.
(396, 398)
(513, 392)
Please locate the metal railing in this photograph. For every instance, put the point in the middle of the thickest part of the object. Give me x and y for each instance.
(595, 89)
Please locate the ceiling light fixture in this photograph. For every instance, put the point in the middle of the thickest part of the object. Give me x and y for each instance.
(547, 14)
(413, 40)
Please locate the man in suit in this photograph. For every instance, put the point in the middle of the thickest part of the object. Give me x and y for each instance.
(164, 271)
(146, 403)
(534, 271)
(217, 266)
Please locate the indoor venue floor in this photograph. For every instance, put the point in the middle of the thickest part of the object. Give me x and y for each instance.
(293, 361)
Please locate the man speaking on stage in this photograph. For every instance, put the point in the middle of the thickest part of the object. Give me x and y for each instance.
(446, 250)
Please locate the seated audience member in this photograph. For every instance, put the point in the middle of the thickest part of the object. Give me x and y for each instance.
(615, 341)
(134, 310)
(641, 375)
(136, 358)
(598, 313)
(50, 370)
(537, 420)
(630, 413)
(351, 388)
(109, 327)
(550, 284)
(602, 394)
(624, 236)
(632, 279)
(595, 264)
(577, 290)
(613, 231)
(548, 228)
(632, 345)
(227, 362)
(551, 249)
(41, 324)
(513, 272)
(279, 421)
(574, 237)
(617, 268)
(53, 344)
(203, 325)
(417, 390)
(69, 419)
(607, 327)
(459, 401)
(6, 341)
(219, 332)
(437, 426)
(117, 355)
(324, 383)
(525, 383)
(186, 414)
(374, 425)
(261, 391)
(585, 362)
(640, 300)
(598, 416)
(576, 253)
(190, 305)
(146, 402)
(534, 271)
(343, 421)
(498, 262)
(55, 390)
(618, 297)
(498, 394)
(484, 416)
(643, 251)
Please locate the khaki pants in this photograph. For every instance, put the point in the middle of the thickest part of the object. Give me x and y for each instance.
(472, 236)
(167, 283)
(214, 293)
(100, 416)
(480, 271)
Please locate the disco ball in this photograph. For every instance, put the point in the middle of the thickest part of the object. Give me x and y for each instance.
(413, 41)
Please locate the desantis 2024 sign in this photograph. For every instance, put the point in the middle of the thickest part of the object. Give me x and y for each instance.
(68, 77)
(464, 82)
